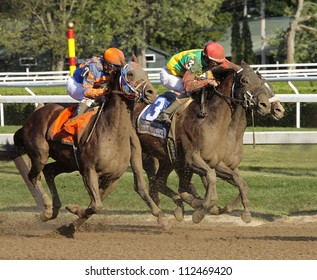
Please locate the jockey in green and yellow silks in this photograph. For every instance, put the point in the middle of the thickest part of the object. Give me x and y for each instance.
(183, 73)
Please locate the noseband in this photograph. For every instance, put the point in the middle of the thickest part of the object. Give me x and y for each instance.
(136, 90)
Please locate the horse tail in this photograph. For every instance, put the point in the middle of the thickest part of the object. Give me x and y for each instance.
(18, 138)
(9, 151)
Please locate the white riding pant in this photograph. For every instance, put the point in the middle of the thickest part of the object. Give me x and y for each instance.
(74, 89)
(171, 82)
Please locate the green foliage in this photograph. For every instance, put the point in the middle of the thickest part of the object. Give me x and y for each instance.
(130, 25)
(247, 46)
(241, 43)
(306, 32)
(179, 26)
(236, 41)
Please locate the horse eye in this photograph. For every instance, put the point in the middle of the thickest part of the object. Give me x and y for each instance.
(130, 76)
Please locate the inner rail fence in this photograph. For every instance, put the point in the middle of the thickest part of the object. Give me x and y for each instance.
(271, 72)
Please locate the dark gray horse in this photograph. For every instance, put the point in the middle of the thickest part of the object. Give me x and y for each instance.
(210, 146)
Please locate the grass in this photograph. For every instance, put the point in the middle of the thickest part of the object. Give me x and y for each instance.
(282, 181)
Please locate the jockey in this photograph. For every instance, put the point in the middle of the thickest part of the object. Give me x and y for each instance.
(186, 72)
(91, 79)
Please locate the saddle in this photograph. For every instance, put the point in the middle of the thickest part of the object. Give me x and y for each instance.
(68, 129)
(147, 123)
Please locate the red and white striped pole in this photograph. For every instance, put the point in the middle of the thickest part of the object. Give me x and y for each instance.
(71, 48)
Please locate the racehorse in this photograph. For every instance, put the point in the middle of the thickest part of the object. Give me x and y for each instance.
(102, 154)
(212, 145)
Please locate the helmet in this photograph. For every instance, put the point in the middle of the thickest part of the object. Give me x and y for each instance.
(215, 52)
(113, 56)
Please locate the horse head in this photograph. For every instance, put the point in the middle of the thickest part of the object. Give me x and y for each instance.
(277, 109)
(251, 88)
(134, 82)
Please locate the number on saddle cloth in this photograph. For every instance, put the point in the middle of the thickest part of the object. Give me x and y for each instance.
(146, 120)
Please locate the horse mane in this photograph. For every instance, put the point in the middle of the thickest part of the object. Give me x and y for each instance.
(220, 74)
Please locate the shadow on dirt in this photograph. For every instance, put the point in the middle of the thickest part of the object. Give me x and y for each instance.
(285, 238)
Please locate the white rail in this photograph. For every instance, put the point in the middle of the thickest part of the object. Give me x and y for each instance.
(272, 72)
(67, 99)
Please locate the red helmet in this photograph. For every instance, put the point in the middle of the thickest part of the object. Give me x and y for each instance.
(215, 52)
(114, 56)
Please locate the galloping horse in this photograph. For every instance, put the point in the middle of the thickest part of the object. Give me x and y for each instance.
(212, 145)
(101, 160)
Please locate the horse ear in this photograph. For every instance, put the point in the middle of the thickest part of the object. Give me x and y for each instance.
(244, 64)
(122, 61)
(244, 80)
(134, 58)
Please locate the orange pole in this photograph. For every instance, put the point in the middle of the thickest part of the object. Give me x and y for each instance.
(71, 48)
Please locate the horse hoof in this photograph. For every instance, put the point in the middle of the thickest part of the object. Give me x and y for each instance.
(179, 214)
(162, 220)
(44, 216)
(72, 208)
(246, 217)
(198, 215)
(197, 203)
(215, 210)
(228, 210)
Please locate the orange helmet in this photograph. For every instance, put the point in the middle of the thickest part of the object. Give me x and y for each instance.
(215, 52)
(114, 56)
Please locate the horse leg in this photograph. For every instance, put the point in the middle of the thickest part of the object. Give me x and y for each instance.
(187, 190)
(151, 166)
(234, 178)
(139, 182)
(50, 171)
(161, 185)
(157, 176)
(215, 210)
(104, 192)
(199, 166)
(37, 165)
(90, 178)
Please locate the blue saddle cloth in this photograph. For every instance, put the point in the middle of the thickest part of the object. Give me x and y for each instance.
(147, 123)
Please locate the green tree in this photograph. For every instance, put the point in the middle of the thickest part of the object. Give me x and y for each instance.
(236, 41)
(303, 24)
(168, 25)
(247, 46)
(39, 27)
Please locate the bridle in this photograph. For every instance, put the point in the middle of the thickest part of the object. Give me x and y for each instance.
(248, 101)
(135, 90)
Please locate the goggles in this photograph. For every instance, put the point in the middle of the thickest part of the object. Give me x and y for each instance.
(111, 66)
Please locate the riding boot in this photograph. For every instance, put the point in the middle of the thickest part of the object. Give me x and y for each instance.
(83, 106)
(165, 116)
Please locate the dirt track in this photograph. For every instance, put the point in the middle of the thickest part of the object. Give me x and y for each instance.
(138, 237)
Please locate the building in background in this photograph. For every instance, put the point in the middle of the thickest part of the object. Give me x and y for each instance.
(274, 25)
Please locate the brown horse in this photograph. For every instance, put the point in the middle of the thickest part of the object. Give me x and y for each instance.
(101, 160)
(210, 146)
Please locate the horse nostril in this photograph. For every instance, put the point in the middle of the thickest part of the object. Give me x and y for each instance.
(263, 105)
